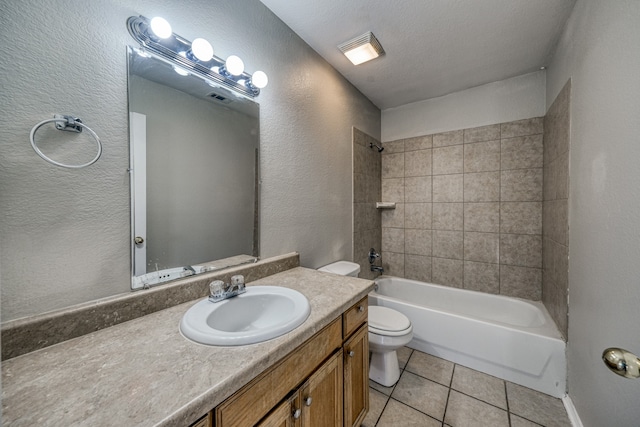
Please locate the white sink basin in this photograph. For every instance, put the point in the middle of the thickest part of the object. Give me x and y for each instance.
(260, 314)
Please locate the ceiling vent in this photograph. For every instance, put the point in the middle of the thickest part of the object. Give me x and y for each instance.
(219, 98)
(362, 48)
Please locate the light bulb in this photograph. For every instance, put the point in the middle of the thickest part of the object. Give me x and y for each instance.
(181, 71)
(234, 65)
(202, 50)
(160, 27)
(259, 79)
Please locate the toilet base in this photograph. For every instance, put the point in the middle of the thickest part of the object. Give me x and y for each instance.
(384, 368)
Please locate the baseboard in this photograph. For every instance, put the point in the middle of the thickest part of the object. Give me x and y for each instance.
(574, 418)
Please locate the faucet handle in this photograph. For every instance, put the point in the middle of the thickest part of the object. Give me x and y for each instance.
(238, 282)
(373, 255)
(216, 288)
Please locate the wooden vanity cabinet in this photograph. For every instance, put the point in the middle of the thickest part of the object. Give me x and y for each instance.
(322, 383)
(356, 377)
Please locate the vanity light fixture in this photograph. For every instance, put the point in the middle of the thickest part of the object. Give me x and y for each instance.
(156, 37)
(201, 50)
(362, 48)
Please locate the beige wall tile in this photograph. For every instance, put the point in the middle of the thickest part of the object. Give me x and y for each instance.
(521, 127)
(447, 244)
(393, 240)
(392, 217)
(360, 154)
(396, 146)
(418, 143)
(555, 220)
(481, 247)
(482, 187)
(521, 282)
(521, 249)
(448, 188)
(447, 272)
(359, 188)
(448, 216)
(417, 163)
(393, 190)
(482, 133)
(393, 165)
(393, 263)
(484, 216)
(366, 217)
(417, 189)
(482, 277)
(448, 160)
(417, 215)
(448, 138)
(557, 125)
(417, 242)
(521, 152)
(521, 217)
(417, 267)
(482, 156)
(521, 185)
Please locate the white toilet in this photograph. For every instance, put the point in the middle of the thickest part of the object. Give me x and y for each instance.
(388, 331)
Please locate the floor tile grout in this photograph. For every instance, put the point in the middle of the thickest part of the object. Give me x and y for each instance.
(449, 387)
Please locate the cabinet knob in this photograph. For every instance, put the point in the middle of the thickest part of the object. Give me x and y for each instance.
(308, 401)
(296, 414)
(361, 308)
(351, 353)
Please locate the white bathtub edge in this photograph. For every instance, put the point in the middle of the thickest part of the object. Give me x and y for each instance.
(572, 413)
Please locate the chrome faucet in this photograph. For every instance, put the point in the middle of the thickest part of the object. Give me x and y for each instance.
(219, 291)
(377, 269)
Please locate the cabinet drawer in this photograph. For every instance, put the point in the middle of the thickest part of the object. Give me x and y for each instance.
(257, 398)
(205, 421)
(354, 317)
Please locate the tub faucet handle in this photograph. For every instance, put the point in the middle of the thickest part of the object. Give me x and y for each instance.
(373, 255)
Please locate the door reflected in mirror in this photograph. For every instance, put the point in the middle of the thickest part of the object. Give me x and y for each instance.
(194, 179)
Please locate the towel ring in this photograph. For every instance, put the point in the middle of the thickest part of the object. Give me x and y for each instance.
(67, 123)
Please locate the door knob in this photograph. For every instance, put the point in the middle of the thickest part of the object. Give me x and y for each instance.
(622, 362)
(138, 240)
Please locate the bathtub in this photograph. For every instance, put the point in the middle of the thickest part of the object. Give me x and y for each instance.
(509, 338)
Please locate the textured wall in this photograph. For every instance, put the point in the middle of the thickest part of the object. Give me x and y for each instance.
(555, 222)
(599, 52)
(469, 208)
(366, 192)
(507, 100)
(65, 234)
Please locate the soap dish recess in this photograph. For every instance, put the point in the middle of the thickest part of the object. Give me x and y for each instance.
(385, 205)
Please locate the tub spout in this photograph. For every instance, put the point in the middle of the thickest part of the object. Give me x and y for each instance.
(377, 269)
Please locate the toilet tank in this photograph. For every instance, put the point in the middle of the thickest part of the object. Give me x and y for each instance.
(343, 268)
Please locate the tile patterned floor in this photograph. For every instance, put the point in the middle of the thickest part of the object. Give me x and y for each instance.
(434, 392)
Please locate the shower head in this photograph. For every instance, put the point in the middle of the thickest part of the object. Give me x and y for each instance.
(371, 145)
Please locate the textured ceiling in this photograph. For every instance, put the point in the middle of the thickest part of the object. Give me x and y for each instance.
(433, 47)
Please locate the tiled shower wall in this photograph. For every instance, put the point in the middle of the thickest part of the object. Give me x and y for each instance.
(366, 192)
(468, 208)
(555, 223)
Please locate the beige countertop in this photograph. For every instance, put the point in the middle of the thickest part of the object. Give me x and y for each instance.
(144, 372)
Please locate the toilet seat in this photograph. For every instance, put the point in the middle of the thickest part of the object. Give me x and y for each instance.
(385, 321)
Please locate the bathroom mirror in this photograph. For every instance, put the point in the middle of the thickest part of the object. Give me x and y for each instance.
(194, 173)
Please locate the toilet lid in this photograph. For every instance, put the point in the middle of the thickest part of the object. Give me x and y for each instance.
(386, 319)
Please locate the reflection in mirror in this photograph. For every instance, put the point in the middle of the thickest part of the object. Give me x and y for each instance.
(194, 180)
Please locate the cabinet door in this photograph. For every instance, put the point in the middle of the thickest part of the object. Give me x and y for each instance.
(321, 396)
(356, 377)
(283, 416)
